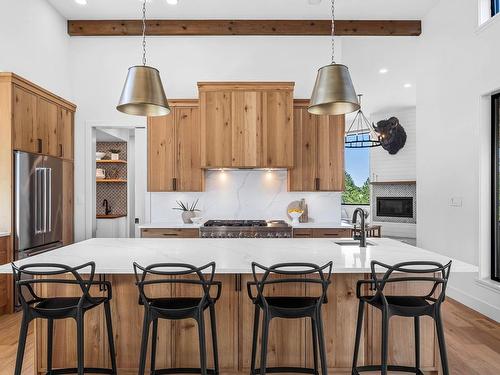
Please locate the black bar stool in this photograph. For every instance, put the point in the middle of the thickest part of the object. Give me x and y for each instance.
(34, 306)
(407, 306)
(175, 308)
(289, 307)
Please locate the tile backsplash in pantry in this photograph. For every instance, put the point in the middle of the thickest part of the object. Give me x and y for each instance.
(245, 194)
(114, 193)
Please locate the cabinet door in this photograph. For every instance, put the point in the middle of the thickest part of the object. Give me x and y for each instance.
(188, 157)
(303, 176)
(68, 203)
(331, 131)
(278, 129)
(24, 121)
(332, 233)
(161, 153)
(46, 123)
(169, 233)
(286, 344)
(246, 123)
(185, 332)
(216, 132)
(65, 131)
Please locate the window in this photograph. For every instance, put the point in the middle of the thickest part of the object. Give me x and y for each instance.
(357, 176)
(495, 189)
(495, 7)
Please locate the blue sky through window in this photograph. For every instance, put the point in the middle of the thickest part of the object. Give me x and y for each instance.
(357, 164)
(357, 160)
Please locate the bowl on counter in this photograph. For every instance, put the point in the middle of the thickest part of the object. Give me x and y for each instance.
(100, 155)
(197, 220)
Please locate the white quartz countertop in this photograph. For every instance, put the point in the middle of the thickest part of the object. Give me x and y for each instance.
(4, 234)
(181, 225)
(116, 255)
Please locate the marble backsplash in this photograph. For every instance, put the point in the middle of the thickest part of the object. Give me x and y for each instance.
(245, 194)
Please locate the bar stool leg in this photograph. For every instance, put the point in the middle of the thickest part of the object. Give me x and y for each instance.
(154, 339)
(442, 343)
(144, 343)
(111, 339)
(263, 346)
(322, 346)
(315, 344)
(213, 329)
(255, 338)
(203, 350)
(417, 343)
(385, 342)
(50, 339)
(359, 327)
(80, 342)
(23, 335)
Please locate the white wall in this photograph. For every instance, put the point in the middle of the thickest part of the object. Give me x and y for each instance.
(246, 194)
(457, 71)
(35, 44)
(402, 166)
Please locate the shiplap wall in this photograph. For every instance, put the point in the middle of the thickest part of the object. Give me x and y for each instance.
(402, 166)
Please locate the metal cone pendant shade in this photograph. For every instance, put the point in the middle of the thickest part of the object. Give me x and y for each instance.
(143, 93)
(333, 92)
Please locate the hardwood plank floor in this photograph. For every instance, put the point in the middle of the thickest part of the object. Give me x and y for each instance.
(473, 342)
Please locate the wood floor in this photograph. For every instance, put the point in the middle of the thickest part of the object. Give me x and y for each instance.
(473, 342)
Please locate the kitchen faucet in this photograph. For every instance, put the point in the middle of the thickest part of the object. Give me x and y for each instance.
(362, 237)
(107, 209)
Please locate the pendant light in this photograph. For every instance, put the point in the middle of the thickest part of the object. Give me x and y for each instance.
(361, 133)
(143, 93)
(333, 92)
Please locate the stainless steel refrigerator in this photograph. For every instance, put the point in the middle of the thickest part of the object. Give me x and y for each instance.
(38, 204)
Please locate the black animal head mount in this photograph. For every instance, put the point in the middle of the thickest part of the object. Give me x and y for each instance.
(392, 135)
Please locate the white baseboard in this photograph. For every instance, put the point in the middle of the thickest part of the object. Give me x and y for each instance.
(474, 303)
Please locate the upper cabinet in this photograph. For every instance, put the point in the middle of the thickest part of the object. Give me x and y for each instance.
(41, 122)
(319, 151)
(246, 125)
(174, 149)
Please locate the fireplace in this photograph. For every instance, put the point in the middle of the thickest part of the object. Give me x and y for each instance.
(395, 207)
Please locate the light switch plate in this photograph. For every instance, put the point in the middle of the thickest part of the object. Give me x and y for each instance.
(456, 201)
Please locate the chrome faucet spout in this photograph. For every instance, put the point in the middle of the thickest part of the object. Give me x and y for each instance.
(362, 233)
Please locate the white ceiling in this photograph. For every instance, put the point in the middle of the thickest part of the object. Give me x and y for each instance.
(245, 9)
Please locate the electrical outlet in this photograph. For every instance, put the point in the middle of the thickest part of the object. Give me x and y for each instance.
(456, 201)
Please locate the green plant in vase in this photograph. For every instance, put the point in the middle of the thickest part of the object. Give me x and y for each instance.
(188, 210)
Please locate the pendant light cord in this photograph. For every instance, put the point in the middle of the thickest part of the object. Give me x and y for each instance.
(333, 31)
(144, 33)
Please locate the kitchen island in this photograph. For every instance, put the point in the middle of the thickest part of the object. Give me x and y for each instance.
(289, 339)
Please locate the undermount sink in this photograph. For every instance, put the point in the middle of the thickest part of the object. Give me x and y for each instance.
(353, 243)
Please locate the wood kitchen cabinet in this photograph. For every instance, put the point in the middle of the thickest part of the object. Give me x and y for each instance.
(319, 151)
(170, 233)
(174, 149)
(46, 125)
(25, 137)
(65, 133)
(322, 233)
(246, 124)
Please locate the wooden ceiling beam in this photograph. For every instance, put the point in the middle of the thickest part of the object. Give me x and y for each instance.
(244, 27)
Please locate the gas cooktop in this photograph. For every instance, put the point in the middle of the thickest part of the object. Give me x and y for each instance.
(246, 229)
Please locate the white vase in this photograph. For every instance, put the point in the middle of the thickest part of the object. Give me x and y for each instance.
(187, 216)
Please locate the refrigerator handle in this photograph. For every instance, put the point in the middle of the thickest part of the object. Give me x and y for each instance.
(39, 200)
(48, 207)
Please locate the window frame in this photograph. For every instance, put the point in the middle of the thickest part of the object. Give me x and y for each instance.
(495, 188)
(495, 7)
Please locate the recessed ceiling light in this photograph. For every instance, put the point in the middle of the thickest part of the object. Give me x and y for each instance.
(81, 2)
(172, 2)
(383, 70)
(314, 2)
(407, 85)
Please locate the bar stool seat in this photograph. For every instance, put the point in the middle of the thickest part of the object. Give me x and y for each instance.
(411, 306)
(35, 306)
